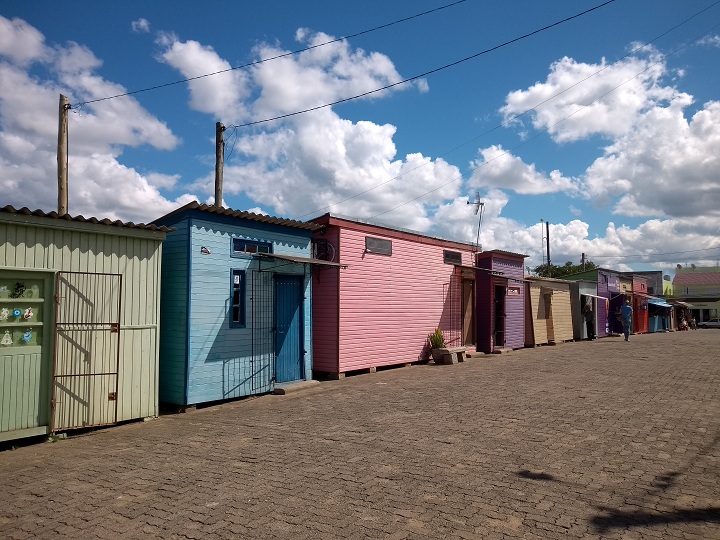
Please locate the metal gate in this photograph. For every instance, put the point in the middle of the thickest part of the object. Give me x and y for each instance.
(262, 322)
(87, 350)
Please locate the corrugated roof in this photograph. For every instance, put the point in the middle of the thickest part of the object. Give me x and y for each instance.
(242, 214)
(82, 219)
(502, 252)
(697, 278)
(392, 228)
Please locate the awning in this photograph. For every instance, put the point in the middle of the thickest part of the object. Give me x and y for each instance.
(300, 260)
(683, 304)
(658, 302)
(594, 296)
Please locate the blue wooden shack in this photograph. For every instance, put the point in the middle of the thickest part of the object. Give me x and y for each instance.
(235, 304)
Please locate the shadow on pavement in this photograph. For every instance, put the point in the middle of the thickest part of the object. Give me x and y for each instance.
(536, 475)
(614, 519)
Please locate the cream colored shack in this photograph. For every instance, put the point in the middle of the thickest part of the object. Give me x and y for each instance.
(79, 318)
(548, 311)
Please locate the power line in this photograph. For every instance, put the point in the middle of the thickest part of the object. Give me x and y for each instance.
(515, 117)
(420, 76)
(655, 255)
(387, 25)
(548, 128)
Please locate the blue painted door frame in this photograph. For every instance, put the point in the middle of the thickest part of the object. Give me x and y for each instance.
(289, 342)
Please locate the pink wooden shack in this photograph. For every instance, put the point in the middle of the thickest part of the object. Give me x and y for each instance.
(397, 288)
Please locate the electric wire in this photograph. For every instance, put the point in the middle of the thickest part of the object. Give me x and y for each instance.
(661, 255)
(257, 62)
(515, 117)
(430, 72)
(548, 128)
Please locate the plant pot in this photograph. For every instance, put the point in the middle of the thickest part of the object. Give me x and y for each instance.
(437, 354)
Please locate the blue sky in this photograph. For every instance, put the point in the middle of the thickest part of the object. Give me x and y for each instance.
(607, 125)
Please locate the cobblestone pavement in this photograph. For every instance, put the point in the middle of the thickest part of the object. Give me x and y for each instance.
(602, 439)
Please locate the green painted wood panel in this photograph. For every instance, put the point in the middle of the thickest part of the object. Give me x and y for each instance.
(32, 243)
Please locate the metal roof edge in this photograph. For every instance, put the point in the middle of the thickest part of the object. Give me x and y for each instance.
(240, 214)
(24, 211)
(328, 217)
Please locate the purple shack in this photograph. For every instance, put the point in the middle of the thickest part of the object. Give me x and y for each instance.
(608, 287)
(500, 300)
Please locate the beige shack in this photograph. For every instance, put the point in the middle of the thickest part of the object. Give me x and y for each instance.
(548, 311)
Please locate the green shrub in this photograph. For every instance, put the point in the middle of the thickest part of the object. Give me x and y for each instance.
(436, 339)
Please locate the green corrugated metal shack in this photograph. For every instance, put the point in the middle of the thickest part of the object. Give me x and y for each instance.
(79, 321)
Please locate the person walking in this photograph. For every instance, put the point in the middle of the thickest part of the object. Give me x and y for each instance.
(589, 321)
(626, 315)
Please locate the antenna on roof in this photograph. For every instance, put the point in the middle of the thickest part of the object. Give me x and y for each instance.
(479, 208)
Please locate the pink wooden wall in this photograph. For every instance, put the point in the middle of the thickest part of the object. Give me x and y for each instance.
(325, 288)
(387, 305)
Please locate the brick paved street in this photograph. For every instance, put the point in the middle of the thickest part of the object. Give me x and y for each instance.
(583, 440)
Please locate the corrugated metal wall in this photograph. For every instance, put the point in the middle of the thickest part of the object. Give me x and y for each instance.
(31, 242)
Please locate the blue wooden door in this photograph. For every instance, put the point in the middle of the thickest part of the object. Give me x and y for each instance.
(289, 348)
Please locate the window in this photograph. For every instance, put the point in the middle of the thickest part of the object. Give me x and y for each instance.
(237, 307)
(452, 257)
(378, 245)
(240, 246)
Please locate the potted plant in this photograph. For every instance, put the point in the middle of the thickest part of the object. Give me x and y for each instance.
(437, 344)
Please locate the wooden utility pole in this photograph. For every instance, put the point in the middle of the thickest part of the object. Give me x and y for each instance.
(62, 156)
(547, 239)
(219, 161)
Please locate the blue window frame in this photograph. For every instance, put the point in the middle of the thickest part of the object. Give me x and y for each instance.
(237, 298)
(241, 247)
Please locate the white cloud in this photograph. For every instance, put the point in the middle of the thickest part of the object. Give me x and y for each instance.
(578, 100)
(220, 95)
(712, 41)
(665, 166)
(499, 168)
(21, 42)
(74, 59)
(339, 166)
(28, 133)
(140, 26)
(320, 75)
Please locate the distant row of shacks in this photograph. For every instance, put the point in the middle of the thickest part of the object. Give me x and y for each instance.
(102, 321)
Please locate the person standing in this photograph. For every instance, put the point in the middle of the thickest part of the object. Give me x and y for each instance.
(626, 315)
(589, 321)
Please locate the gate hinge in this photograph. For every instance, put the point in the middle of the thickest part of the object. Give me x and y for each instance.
(114, 328)
(112, 396)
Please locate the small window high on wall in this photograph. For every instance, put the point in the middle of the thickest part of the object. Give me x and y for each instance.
(452, 257)
(240, 246)
(237, 298)
(380, 246)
